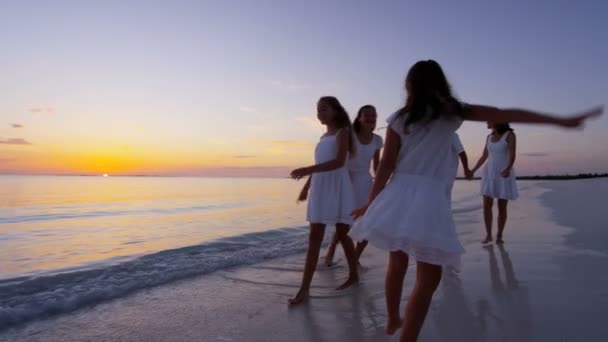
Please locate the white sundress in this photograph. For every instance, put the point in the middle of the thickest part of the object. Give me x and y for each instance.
(331, 197)
(493, 184)
(359, 168)
(412, 214)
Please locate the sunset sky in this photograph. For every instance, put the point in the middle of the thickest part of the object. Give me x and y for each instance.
(230, 87)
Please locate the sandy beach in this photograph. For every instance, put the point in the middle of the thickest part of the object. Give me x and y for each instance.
(548, 283)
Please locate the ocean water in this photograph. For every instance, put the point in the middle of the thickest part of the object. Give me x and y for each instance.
(67, 242)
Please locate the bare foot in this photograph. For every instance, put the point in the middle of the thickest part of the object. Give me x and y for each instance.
(499, 240)
(301, 297)
(392, 326)
(488, 239)
(352, 280)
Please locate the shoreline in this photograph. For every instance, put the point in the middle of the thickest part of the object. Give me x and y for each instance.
(522, 292)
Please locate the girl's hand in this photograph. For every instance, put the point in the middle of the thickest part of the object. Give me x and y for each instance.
(506, 172)
(300, 173)
(359, 212)
(578, 120)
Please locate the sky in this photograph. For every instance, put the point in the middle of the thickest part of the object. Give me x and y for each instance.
(229, 88)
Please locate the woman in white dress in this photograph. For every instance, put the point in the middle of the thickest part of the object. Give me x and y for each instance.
(368, 146)
(410, 215)
(331, 197)
(498, 176)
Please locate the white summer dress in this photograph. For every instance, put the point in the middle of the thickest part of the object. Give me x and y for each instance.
(359, 168)
(331, 197)
(493, 184)
(412, 214)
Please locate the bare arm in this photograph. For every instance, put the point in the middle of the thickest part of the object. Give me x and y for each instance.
(486, 113)
(304, 192)
(484, 157)
(511, 141)
(376, 161)
(307, 184)
(464, 160)
(388, 162)
(343, 138)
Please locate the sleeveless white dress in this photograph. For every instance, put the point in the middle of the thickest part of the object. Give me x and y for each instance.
(493, 184)
(412, 214)
(359, 168)
(331, 197)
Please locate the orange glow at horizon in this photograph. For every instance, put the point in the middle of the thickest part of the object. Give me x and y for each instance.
(90, 158)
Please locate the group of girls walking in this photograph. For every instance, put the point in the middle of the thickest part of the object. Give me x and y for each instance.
(405, 209)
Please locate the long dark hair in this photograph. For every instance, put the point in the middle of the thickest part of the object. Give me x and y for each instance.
(502, 128)
(429, 95)
(341, 119)
(357, 122)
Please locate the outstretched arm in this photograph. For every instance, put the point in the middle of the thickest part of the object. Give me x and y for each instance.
(486, 113)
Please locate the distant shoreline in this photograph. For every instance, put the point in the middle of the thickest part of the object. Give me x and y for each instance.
(555, 177)
(545, 177)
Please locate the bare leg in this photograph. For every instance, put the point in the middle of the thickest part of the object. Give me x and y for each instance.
(502, 219)
(349, 252)
(397, 267)
(487, 217)
(360, 248)
(317, 231)
(427, 280)
(329, 257)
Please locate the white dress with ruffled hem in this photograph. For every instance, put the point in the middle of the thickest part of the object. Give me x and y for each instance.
(412, 214)
(493, 184)
(331, 196)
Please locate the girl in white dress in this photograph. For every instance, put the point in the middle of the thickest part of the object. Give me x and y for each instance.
(368, 146)
(498, 176)
(410, 216)
(331, 193)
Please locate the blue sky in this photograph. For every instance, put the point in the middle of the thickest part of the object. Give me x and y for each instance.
(199, 87)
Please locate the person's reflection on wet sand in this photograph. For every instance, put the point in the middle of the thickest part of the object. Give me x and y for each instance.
(511, 301)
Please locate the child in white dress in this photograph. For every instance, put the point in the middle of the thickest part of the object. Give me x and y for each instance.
(498, 176)
(368, 146)
(331, 198)
(411, 216)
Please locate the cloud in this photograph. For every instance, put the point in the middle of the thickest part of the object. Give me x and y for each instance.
(15, 141)
(243, 156)
(536, 154)
(42, 110)
(247, 109)
(17, 125)
(289, 85)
